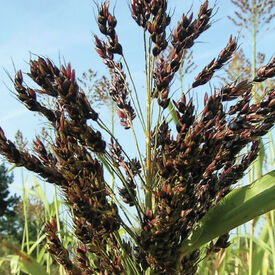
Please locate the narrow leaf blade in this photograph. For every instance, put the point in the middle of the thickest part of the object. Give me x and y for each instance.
(238, 207)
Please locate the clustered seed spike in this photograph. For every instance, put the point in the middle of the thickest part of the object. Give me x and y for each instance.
(185, 117)
(58, 251)
(31, 162)
(43, 72)
(266, 71)
(86, 194)
(157, 26)
(131, 168)
(62, 85)
(198, 168)
(119, 88)
(141, 12)
(87, 198)
(119, 94)
(183, 37)
(71, 165)
(151, 16)
(82, 260)
(28, 97)
(163, 75)
(187, 31)
(106, 24)
(206, 74)
(103, 51)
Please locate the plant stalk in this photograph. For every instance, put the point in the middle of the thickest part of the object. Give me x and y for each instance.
(148, 196)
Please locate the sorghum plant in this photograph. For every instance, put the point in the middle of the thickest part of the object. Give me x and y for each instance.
(182, 179)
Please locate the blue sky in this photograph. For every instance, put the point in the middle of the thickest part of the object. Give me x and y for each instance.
(64, 29)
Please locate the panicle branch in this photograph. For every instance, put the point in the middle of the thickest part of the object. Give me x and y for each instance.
(198, 168)
(131, 169)
(158, 24)
(58, 251)
(182, 38)
(70, 165)
(208, 71)
(31, 162)
(119, 91)
(266, 71)
(106, 24)
(141, 12)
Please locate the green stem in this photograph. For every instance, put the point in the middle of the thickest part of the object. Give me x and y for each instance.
(250, 257)
(270, 222)
(271, 150)
(37, 237)
(48, 265)
(258, 164)
(103, 126)
(238, 245)
(113, 167)
(112, 131)
(56, 211)
(137, 108)
(130, 264)
(148, 164)
(57, 221)
(25, 205)
(138, 150)
(181, 76)
(250, 241)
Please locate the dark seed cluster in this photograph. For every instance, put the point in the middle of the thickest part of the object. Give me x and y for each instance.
(31, 162)
(61, 84)
(119, 93)
(70, 164)
(152, 16)
(58, 251)
(183, 37)
(187, 30)
(106, 24)
(131, 169)
(266, 71)
(119, 89)
(141, 12)
(199, 167)
(157, 27)
(82, 260)
(188, 173)
(208, 71)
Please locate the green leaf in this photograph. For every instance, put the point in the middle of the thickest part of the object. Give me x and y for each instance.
(40, 257)
(260, 160)
(37, 243)
(238, 207)
(13, 262)
(172, 113)
(105, 163)
(37, 192)
(259, 243)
